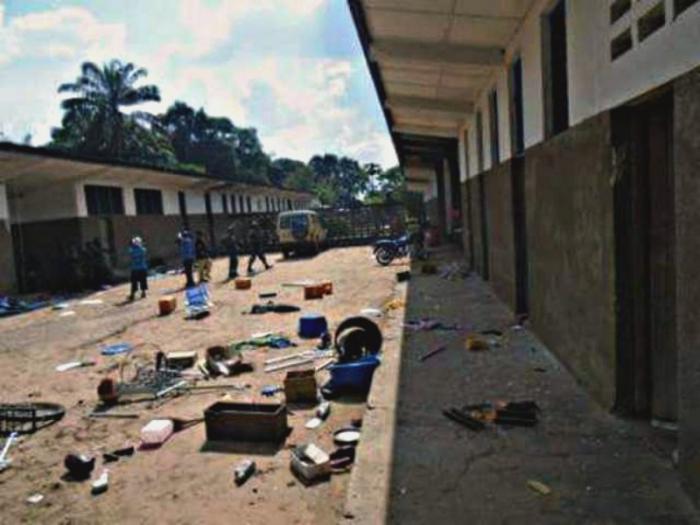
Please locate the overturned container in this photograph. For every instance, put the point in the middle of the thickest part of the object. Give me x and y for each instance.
(226, 421)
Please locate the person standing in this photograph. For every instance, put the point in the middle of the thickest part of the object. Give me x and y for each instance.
(203, 258)
(187, 254)
(257, 248)
(139, 268)
(232, 248)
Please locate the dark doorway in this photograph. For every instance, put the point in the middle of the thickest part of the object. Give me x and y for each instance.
(210, 218)
(516, 113)
(480, 141)
(645, 261)
(520, 234)
(182, 202)
(556, 83)
(455, 209)
(493, 128)
(484, 228)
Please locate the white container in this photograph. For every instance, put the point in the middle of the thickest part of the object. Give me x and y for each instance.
(156, 432)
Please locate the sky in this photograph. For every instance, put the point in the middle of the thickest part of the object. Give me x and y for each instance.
(293, 69)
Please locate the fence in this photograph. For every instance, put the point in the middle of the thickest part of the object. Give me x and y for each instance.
(351, 226)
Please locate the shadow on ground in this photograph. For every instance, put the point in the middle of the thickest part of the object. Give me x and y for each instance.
(601, 469)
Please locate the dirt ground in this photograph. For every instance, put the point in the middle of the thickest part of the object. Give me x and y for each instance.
(184, 481)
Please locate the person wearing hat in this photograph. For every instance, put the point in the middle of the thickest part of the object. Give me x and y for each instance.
(139, 267)
(232, 248)
(257, 249)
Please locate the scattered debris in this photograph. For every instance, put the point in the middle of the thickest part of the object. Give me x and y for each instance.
(312, 326)
(231, 421)
(79, 466)
(353, 377)
(539, 487)
(322, 412)
(197, 302)
(403, 276)
(300, 386)
(181, 360)
(156, 432)
(476, 344)
(226, 361)
(346, 436)
(271, 340)
(342, 458)
(91, 302)
(314, 291)
(101, 484)
(394, 304)
(310, 463)
(5, 462)
(273, 307)
(427, 324)
(116, 349)
(113, 415)
(243, 283)
(357, 337)
(12, 306)
(167, 305)
(26, 418)
(35, 499)
(271, 390)
(67, 313)
(243, 471)
(74, 364)
(371, 312)
(267, 295)
(475, 417)
(433, 352)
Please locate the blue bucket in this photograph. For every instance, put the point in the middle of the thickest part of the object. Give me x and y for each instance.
(312, 326)
(355, 376)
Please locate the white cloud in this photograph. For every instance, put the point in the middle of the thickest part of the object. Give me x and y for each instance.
(66, 32)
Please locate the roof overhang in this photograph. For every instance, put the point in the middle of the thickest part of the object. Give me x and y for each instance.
(430, 59)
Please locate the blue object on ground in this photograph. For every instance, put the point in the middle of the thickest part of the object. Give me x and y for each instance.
(312, 326)
(116, 349)
(197, 300)
(355, 376)
(270, 390)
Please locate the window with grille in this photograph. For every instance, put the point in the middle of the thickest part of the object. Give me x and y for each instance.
(104, 200)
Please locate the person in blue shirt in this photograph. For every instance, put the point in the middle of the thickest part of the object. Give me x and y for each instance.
(187, 253)
(139, 267)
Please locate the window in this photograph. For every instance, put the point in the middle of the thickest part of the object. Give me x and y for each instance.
(207, 203)
(480, 141)
(224, 204)
(681, 5)
(241, 202)
(621, 44)
(183, 205)
(104, 200)
(618, 9)
(233, 205)
(556, 85)
(289, 204)
(517, 116)
(250, 204)
(148, 202)
(493, 128)
(651, 21)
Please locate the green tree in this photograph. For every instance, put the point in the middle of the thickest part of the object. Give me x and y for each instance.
(93, 121)
(341, 179)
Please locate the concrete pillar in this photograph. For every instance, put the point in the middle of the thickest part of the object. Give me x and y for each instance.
(686, 153)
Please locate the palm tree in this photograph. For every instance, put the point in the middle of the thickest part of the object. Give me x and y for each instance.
(96, 111)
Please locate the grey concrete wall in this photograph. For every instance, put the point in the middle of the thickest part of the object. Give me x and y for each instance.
(476, 225)
(571, 251)
(687, 179)
(7, 263)
(499, 208)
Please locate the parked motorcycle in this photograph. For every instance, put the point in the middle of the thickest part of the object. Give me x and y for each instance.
(386, 250)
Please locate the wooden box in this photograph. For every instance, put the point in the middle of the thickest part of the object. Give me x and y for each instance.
(314, 291)
(167, 304)
(226, 421)
(300, 386)
(243, 283)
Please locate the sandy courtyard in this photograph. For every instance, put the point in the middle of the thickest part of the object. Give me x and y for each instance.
(182, 482)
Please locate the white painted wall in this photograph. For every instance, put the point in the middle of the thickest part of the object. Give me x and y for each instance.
(171, 205)
(44, 203)
(4, 211)
(597, 84)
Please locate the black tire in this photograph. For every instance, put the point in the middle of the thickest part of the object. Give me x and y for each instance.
(384, 256)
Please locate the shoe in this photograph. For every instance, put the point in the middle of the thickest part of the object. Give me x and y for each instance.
(268, 266)
(143, 295)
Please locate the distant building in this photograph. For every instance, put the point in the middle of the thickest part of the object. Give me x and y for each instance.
(566, 134)
(53, 204)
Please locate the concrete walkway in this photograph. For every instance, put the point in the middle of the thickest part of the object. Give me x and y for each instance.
(415, 466)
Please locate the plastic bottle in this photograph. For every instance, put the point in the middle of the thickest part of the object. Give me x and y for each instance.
(156, 432)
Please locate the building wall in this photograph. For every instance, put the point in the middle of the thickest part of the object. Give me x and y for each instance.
(7, 263)
(476, 225)
(687, 180)
(499, 206)
(570, 237)
(43, 203)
